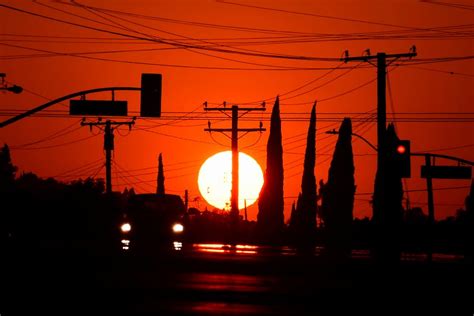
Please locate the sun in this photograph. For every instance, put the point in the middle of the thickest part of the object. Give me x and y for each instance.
(215, 180)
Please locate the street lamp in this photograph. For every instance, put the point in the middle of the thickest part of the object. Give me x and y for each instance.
(334, 132)
(399, 152)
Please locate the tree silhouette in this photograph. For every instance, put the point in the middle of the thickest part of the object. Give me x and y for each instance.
(7, 187)
(304, 221)
(469, 202)
(7, 169)
(469, 225)
(293, 212)
(270, 218)
(338, 196)
(160, 188)
(388, 210)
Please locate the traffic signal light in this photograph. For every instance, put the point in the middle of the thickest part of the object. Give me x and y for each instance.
(150, 102)
(400, 151)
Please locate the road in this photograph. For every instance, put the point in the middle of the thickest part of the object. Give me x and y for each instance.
(223, 280)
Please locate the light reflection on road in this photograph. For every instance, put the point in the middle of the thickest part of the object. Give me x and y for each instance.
(361, 254)
(259, 250)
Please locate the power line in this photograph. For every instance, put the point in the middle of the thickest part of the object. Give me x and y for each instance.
(413, 119)
(271, 31)
(423, 190)
(172, 43)
(448, 148)
(253, 41)
(442, 71)
(60, 133)
(201, 24)
(117, 166)
(188, 38)
(321, 85)
(450, 4)
(59, 145)
(169, 65)
(329, 17)
(173, 136)
(337, 95)
(81, 168)
(97, 172)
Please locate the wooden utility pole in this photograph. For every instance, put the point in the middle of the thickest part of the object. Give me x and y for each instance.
(381, 102)
(108, 146)
(235, 109)
(429, 188)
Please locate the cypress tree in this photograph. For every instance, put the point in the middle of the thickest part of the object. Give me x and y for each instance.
(338, 196)
(304, 223)
(388, 211)
(270, 218)
(10, 213)
(7, 170)
(160, 188)
(293, 212)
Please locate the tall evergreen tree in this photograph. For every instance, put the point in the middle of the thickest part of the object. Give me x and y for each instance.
(7, 170)
(304, 221)
(338, 195)
(160, 187)
(293, 212)
(388, 210)
(270, 218)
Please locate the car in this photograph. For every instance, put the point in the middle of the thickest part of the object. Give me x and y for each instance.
(153, 222)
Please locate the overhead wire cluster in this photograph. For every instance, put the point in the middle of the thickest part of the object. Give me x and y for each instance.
(124, 29)
(119, 26)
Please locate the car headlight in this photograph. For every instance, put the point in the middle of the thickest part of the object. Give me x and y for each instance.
(178, 228)
(126, 227)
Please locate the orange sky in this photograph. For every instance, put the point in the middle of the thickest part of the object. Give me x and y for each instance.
(424, 89)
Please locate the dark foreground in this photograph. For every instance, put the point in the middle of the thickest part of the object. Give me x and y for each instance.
(216, 280)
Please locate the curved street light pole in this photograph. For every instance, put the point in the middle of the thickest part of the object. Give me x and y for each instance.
(66, 97)
(334, 132)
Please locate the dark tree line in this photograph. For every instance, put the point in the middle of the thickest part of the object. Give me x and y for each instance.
(391, 227)
(47, 214)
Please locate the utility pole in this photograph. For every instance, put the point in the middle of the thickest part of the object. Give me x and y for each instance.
(245, 208)
(235, 109)
(186, 200)
(381, 100)
(108, 145)
(429, 188)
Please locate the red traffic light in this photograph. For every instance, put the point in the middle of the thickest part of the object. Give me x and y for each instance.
(401, 149)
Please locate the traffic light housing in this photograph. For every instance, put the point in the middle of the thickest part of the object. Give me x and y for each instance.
(150, 101)
(400, 151)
